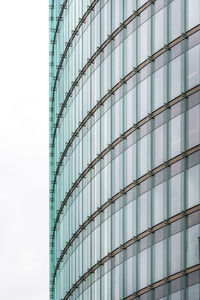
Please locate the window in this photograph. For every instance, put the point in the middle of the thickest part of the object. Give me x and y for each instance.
(193, 66)
(159, 260)
(175, 195)
(130, 220)
(193, 251)
(175, 133)
(143, 42)
(158, 146)
(193, 126)
(175, 19)
(193, 13)
(130, 164)
(175, 77)
(158, 88)
(158, 203)
(143, 99)
(143, 155)
(143, 212)
(175, 253)
(143, 269)
(159, 30)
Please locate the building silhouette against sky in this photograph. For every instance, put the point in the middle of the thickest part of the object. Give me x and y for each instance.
(124, 149)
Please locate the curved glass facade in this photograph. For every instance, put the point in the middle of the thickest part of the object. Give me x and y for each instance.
(124, 149)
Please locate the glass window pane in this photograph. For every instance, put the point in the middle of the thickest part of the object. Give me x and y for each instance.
(194, 292)
(143, 99)
(193, 186)
(159, 260)
(143, 42)
(130, 280)
(143, 268)
(143, 155)
(130, 108)
(193, 13)
(175, 130)
(193, 126)
(159, 88)
(159, 146)
(159, 30)
(175, 253)
(130, 220)
(193, 250)
(175, 195)
(193, 66)
(130, 166)
(158, 204)
(175, 77)
(143, 212)
(176, 296)
(130, 52)
(175, 18)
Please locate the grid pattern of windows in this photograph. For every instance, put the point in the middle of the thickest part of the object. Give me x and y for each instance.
(124, 149)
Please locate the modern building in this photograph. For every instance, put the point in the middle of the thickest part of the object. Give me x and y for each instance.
(124, 149)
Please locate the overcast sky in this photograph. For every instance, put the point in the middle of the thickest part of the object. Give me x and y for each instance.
(24, 150)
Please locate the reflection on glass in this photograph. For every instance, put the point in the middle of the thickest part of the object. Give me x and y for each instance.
(193, 126)
(143, 34)
(175, 195)
(159, 88)
(159, 146)
(131, 152)
(159, 30)
(143, 99)
(176, 296)
(175, 77)
(193, 185)
(158, 203)
(143, 155)
(129, 283)
(175, 17)
(143, 268)
(159, 261)
(130, 220)
(143, 212)
(193, 13)
(193, 66)
(194, 292)
(193, 251)
(175, 126)
(175, 253)
(130, 108)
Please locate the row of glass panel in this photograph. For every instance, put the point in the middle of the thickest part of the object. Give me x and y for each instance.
(167, 198)
(167, 135)
(178, 289)
(167, 251)
(146, 91)
(100, 17)
(126, 47)
(82, 47)
(156, 199)
(86, 147)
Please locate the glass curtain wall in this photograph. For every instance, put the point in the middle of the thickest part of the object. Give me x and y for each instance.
(124, 149)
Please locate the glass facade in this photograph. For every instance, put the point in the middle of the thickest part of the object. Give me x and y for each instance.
(124, 149)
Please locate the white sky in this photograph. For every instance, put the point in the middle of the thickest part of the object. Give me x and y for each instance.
(24, 150)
